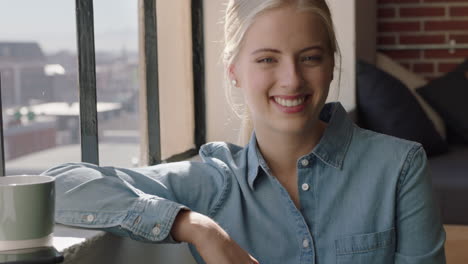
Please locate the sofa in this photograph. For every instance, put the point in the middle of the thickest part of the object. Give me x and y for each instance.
(394, 101)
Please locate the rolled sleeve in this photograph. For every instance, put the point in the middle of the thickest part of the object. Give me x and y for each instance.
(150, 220)
(155, 220)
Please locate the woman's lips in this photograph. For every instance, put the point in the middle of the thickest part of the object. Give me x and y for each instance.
(290, 104)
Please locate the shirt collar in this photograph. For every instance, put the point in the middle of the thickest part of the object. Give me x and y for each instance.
(331, 149)
(252, 160)
(335, 141)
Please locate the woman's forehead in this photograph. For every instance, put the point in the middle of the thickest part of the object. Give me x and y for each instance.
(286, 27)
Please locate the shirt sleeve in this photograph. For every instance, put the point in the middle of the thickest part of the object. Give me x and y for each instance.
(140, 203)
(420, 233)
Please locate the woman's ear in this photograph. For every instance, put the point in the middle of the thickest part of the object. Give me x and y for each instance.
(232, 75)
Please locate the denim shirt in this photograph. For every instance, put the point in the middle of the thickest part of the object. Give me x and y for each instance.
(364, 198)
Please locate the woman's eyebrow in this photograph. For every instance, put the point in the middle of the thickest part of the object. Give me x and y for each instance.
(266, 50)
(318, 47)
(315, 47)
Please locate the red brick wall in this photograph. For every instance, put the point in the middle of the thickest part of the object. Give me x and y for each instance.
(408, 22)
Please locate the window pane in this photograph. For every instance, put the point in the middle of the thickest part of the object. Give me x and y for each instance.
(39, 84)
(116, 38)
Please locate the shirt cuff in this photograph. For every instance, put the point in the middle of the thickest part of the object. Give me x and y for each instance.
(149, 220)
(152, 219)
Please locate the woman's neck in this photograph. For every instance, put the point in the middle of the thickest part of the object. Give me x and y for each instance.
(281, 150)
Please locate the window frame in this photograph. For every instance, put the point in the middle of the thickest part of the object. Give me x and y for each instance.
(151, 142)
(2, 147)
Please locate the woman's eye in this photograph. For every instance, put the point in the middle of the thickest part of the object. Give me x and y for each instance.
(311, 59)
(266, 60)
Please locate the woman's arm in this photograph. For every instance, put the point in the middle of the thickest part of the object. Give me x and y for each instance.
(152, 204)
(141, 203)
(420, 234)
(213, 243)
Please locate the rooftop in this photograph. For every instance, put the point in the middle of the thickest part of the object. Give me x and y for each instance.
(21, 50)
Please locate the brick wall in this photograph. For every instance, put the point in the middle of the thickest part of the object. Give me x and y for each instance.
(23, 140)
(409, 22)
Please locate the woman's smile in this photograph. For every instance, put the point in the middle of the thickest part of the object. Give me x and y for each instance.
(290, 104)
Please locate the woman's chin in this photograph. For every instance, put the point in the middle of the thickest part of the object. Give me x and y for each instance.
(293, 127)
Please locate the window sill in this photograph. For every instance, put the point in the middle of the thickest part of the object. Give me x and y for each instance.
(84, 246)
(68, 238)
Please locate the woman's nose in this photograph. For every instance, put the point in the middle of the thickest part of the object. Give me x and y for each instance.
(291, 76)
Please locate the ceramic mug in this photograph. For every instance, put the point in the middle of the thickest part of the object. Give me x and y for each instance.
(27, 204)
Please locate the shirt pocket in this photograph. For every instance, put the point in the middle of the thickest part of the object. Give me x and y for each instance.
(378, 247)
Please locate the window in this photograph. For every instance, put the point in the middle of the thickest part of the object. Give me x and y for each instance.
(39, 84)
(156, 92)
(117, 82)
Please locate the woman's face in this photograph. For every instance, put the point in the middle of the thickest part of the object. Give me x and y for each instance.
(284, 69)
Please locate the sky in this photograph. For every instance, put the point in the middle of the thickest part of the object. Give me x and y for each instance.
(52, 23)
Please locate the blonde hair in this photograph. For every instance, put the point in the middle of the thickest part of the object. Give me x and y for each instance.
(240, 15)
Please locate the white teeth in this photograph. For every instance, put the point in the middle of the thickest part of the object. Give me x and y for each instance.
(289, 103)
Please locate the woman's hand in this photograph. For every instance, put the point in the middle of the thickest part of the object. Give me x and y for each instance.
(212, 242)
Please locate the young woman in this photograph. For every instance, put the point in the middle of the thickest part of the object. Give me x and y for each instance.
(309, 187)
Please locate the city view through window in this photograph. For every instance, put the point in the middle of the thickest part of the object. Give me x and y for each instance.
(39, 83)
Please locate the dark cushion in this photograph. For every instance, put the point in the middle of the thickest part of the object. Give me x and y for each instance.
(387, 106)
(448, 95)
(449, 173)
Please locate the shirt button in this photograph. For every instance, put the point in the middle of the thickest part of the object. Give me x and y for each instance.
(305, 243)
(156, 230)
(305, 187)
(304, 162)
(90, 218)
